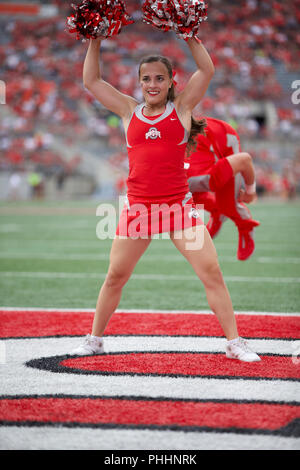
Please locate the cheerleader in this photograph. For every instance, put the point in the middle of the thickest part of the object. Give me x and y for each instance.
(222, 178)
(158, 132)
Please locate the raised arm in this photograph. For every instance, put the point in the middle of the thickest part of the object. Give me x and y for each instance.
(198, 83)
(106, 94)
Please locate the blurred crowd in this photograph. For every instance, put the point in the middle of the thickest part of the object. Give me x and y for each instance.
(254, 45)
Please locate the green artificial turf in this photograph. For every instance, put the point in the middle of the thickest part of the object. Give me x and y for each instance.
(51, 257)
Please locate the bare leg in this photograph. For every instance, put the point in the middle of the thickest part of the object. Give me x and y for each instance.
(242, 163)
(205, 263)
(124, 256)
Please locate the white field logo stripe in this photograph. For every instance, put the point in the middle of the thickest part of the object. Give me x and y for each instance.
(19, 351)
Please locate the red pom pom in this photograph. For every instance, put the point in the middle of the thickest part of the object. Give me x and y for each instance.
(98, 18)
(184, 17)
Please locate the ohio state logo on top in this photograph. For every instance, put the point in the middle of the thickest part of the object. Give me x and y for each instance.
(153, 133)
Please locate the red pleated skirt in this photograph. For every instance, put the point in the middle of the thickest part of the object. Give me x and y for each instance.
(145, 219)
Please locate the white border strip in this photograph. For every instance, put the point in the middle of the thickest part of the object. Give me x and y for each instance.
(123, 310)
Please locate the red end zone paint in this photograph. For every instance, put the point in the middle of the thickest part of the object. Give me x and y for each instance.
(148, 412)
(22, 324)
(186, 364)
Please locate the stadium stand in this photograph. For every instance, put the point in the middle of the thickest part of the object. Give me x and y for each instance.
(51, 125)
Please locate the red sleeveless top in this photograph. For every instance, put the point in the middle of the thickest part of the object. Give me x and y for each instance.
(156, 149)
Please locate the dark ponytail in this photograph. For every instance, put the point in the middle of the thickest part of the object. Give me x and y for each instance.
(197, 126)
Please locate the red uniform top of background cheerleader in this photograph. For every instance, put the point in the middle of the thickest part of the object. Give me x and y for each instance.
(220, 141)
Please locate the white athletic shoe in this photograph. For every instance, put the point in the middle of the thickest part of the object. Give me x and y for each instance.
(91, 345)
(239, 349)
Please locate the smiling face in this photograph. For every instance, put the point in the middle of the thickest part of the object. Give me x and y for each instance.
(155, 82)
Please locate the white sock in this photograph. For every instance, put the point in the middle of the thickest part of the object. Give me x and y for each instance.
(234, 341)
(97, 338)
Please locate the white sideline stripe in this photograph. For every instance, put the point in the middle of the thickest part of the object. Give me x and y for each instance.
(141, 277)
(89, 310)
(149, 258)
(94, 243)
